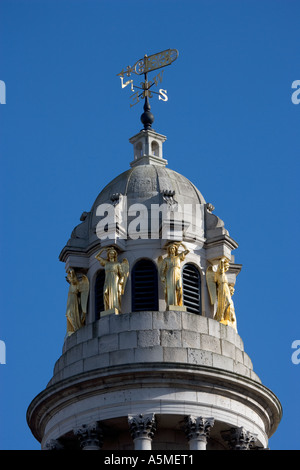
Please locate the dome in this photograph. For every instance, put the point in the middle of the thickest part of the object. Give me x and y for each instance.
(148, 182)
(146, 185)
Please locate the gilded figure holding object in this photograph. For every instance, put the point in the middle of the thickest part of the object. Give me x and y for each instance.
(170, 275)
(221, 292)
(77, 301)
(116, 275)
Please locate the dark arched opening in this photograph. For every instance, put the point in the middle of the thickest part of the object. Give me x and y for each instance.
(99, 286)
(144, 286)
(191, 284)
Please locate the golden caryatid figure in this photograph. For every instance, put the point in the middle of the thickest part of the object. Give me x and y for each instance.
(77, 301)
(221, 292)
(170, 273)
(116, 275)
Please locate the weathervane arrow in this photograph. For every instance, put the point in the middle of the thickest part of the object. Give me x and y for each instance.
(152, 62)
(142, 67)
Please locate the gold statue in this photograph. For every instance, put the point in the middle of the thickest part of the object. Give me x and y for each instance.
(221, 292)
(77, 301)
(116, 275)
(170, 275)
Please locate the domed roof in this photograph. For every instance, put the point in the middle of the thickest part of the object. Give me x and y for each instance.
(147, 182)
(143, 184)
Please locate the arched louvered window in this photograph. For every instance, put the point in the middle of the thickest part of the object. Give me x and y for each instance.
(144, 286)
(191, 284)
(99, 285)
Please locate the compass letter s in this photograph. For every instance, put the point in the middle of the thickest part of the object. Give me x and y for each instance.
(163, 95)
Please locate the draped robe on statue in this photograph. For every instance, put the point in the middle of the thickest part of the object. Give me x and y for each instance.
(112, 286)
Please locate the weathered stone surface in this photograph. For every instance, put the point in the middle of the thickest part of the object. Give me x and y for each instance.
(169, 336)
(167, 320)
(108, 343)
(174, 363)
(148, 338)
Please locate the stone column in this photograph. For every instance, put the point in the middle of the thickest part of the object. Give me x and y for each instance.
(90, 436)
(239, 438)
(142, 429)
(197, 431)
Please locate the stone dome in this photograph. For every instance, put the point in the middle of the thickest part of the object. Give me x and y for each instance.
(148, 182)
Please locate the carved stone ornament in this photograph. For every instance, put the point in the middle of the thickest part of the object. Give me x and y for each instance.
(142, 426)
(115, 198)
(210, 207)
(239, 438)
(54, 444)
(90, 436)
(168, 197)
(198, 428)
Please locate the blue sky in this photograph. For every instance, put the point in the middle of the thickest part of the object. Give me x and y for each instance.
(232, 129)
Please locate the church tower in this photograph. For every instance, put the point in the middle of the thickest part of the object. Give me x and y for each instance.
(152, 358)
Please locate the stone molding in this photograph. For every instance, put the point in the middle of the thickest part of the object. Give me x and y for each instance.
(187, 384)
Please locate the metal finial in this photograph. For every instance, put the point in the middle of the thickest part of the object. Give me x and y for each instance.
(147, 117)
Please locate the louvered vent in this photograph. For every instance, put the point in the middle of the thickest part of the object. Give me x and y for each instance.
(191, 288)
(144, 286)
(99, 286)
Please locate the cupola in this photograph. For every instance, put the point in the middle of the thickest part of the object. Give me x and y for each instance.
(154, 359)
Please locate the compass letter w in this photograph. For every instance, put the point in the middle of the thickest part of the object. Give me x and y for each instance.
(158, 78)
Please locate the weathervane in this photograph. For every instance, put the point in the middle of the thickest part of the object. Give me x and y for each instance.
(142, 67)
